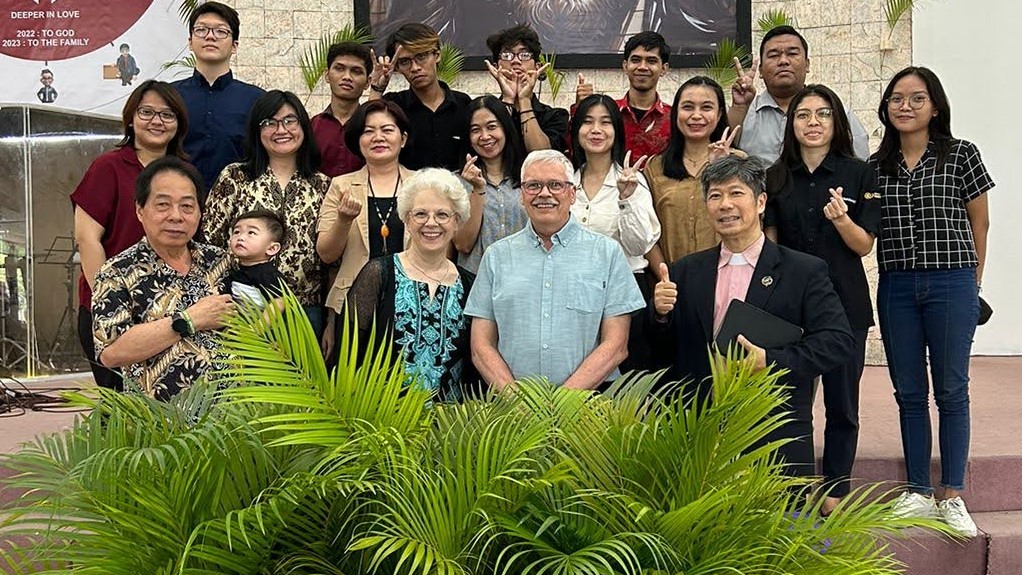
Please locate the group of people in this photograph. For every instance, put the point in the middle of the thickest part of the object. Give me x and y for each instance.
(498, 238)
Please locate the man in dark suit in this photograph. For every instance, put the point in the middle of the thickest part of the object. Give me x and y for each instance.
(788, 284)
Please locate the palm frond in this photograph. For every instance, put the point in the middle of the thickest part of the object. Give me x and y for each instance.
(186, 65)
(895, 9)
(312, 62)
(186, 8)
(451, 62)
(553, 76)
(773, 18)
(720, 65)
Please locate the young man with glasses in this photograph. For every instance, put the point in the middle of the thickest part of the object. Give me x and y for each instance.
(217, 103)
(438, 116)
(516, 69)
(553, 300)
(783, 63)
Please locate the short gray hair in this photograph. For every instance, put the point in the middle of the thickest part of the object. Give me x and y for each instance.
(438, 180)
(750, 171)
(549, 157)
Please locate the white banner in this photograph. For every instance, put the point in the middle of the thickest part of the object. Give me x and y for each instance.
(86, 55)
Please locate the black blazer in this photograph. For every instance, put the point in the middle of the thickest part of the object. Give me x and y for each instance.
(789, 284)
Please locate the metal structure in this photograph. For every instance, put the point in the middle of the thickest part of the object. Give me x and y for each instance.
(44, 152)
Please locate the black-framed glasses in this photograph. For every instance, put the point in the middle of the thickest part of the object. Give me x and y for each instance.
(523, 56)
(287, 122)
(915, 101)
(822, 114)
(534, 187)
(421, 58)
(422, 216)
(145, 113)
(218, 33)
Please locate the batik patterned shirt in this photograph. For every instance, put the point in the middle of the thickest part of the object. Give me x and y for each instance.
(297, 204)
(137, 287)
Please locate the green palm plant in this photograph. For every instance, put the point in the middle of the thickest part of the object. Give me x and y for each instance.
(721, 67)
(312, 62)
(553, 76)
(451, 62)
(277, 466)
(773, 18)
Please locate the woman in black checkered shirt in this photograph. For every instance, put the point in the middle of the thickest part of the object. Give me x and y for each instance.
(932, 249)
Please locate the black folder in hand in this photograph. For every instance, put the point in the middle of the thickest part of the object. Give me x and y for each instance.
(760, 327)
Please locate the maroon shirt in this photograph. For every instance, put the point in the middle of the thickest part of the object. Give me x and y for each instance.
(107, 194)
(337, 158)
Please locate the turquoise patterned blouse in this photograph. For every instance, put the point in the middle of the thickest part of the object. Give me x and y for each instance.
(427, 328)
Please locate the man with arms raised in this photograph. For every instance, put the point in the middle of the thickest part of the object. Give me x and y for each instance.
(783, 63)
(554, 299)
(438, 116)
(516, 69)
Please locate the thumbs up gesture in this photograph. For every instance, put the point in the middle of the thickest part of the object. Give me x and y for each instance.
(665, 293)
(583, 90)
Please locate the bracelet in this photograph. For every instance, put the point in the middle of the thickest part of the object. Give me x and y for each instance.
(377, 89)
(526, 121)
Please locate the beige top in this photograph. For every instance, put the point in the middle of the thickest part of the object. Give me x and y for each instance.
(356, 251)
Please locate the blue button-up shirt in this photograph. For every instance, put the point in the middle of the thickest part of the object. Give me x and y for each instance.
(217, 116)
(548, 305)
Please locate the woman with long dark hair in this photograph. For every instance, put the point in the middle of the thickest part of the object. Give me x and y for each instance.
(279, 174)
(823, 201)
(614, 198)
(155, 122)
(493, 175)
(935, 220)
(698, 127)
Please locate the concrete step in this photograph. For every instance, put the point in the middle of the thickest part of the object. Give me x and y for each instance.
(993, 483)
(996, 551)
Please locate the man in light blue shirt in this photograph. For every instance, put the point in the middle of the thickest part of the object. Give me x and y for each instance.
(554, 299)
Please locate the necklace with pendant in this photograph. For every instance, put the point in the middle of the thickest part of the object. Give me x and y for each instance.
(384, 229)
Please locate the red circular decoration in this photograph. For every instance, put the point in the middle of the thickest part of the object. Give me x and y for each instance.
(48, 30)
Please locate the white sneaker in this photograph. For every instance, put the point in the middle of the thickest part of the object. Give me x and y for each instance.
(957, 517)
(910, 504)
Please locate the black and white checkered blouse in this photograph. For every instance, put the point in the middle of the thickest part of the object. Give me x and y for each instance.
(924, 223)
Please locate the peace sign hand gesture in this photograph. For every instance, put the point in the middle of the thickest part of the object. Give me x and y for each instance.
(836, 208)
(473, 175)
(744, 88)
(382, 69)
(628, 178)
(722, 148)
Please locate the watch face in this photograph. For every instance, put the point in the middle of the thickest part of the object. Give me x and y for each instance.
(180, 326)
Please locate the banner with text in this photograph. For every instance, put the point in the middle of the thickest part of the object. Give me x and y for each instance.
(86, 55)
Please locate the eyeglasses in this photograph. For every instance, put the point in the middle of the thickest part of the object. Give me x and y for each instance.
(915, 102)
(287, 122)
(822, 114)
(422, 216)
(218, 33)
(523, 56)
(147, 114)
(420, 59)
(534, 187)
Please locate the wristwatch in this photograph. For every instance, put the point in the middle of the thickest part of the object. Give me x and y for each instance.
(182, 324)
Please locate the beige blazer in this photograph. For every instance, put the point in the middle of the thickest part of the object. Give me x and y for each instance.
(356, 251)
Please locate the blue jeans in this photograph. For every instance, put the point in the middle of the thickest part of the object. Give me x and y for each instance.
(931, 311)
